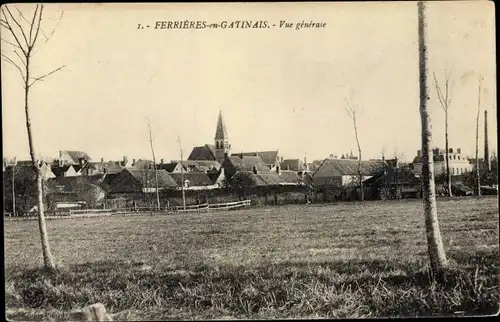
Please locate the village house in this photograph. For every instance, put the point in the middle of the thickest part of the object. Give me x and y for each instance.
(205, 166)
(339, 177)
(75, 192)
(270, 158)
(270, 187)
(297, 165)
(193, 181)
(459, 163)
(141, 180)
(232, 164)
(102, 167)
(142, 164)
(394, 182)
(73, 157)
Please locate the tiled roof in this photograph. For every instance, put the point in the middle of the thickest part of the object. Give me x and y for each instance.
(402, 177)
(143, 164)
(147, 177)
(195, 178)
(70, 184)
(206, 152)
(292, 164)
(341, 167)
(313, 166)
(269, 157)
(199, 165)
(203, 165)
(169, 167)
(77, 155)
(248, 163)
(272, 178)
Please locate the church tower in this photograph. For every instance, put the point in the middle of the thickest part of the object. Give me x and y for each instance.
(222, 145)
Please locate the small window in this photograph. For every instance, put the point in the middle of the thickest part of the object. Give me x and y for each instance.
(458, 157)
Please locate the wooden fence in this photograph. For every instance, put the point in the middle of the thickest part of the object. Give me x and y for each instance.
(177, 209)
(137, 210)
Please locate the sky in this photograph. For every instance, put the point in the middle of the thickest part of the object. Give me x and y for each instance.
(278, 88)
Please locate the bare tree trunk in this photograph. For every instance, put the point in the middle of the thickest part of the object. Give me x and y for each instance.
(156, 169)
(478, 173)
(435, 247)
(13, 189)
(448, 172)
(351, 111)
(182, 175)
(24, 51)
(48, 259)
(359, 170)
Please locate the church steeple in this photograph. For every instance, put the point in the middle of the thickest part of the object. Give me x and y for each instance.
(222, 145)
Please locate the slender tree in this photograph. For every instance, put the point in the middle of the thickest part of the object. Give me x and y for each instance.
(351, 111)
(445, 101)
(182, 175)
(155, 166)
(25, 38)
(478, 174)
(435, 247)
(14, 186)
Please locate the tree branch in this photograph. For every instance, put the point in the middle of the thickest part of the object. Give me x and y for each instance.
(440, 93)
(350, 110)
(18, 24)
(46, 75)
(8, 26)
(10, 43)
(33, 22)
(38, 27)
(7, 59)
(4, 23)
(20, 58)
(53, 30)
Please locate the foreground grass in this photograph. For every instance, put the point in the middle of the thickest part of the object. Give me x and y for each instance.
(346, 260)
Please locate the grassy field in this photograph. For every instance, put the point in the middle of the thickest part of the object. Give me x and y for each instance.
(337, 260)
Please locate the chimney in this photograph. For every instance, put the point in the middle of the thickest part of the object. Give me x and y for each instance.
(486, 147)
(305, 161)
(60, 153)
(281, 160)
(419, 153)
(161, 161)
(133, 162)
(102, 160)
(241, 155)
(125, 161)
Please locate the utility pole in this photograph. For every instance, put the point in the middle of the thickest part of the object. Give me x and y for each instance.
(182, 175)
(156, 170)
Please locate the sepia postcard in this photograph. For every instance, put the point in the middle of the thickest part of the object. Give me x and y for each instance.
(249, 160)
